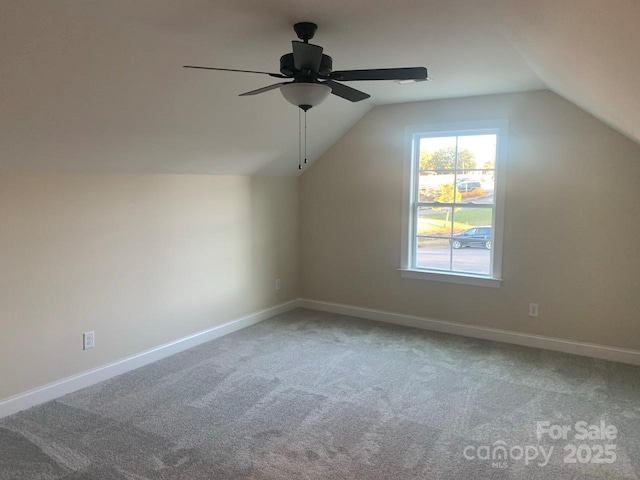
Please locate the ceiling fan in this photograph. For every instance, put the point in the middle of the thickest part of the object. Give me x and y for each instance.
(312, 78)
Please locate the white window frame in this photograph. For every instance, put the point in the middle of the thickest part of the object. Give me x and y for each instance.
(408, 267)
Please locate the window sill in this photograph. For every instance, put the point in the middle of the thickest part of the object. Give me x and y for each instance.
(446, 277)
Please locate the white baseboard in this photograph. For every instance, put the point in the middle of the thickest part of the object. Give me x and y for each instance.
(73, 383)
(498, 335)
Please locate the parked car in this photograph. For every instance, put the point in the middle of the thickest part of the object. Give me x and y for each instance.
(467, 185)
(474, 237)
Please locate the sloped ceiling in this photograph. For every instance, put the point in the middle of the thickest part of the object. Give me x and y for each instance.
(96, 86)
(587, 51)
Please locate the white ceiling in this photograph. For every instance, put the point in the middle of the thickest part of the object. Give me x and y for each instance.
(96, 86)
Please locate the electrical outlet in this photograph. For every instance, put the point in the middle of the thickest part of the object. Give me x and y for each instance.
(88, 340)
(533, 309)
(278, 284)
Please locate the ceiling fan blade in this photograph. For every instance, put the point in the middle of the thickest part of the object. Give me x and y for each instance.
(345, 92)
(264, 89)
(307, 56)
(412, 73)
(277, 75)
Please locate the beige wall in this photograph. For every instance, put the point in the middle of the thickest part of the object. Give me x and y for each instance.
(139, 259)
(572, 229)
(147, 259)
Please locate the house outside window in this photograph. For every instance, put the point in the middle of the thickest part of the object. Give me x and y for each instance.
(454, 202)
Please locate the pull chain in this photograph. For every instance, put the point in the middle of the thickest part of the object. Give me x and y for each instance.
(305, 137)
(300, 140)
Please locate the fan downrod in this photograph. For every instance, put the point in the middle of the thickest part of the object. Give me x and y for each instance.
(305, 30)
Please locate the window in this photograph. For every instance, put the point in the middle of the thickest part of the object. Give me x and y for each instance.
(454, 202)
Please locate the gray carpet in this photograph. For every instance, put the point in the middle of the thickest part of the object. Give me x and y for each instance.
(309, 395)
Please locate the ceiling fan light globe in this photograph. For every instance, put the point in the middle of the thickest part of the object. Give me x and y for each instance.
(305, 94)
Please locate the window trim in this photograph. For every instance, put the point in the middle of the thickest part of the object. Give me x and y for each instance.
(407, 270)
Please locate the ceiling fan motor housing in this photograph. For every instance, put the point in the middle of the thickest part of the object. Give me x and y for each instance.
(305, 30)
(287, 65)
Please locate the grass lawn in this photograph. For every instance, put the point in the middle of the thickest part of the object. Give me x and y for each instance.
(434, 222)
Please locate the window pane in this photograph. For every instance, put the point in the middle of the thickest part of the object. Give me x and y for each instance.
(469, 188)
(472, 260)
(477, 152)
(437, 187)
(476, 186)
(465, 239)
(465, 218)
(472, 240)
(433, 253)
(435, 221)
(437, 153)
